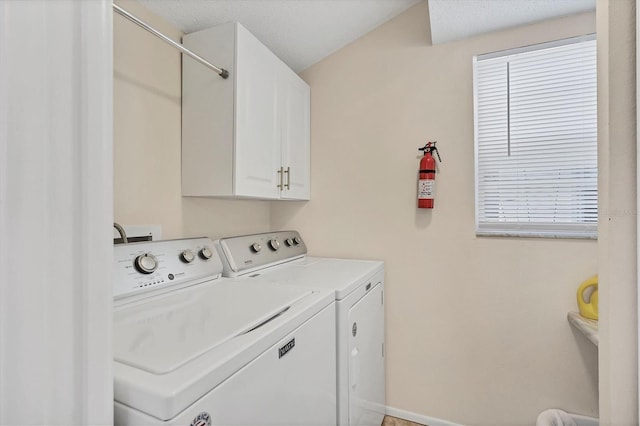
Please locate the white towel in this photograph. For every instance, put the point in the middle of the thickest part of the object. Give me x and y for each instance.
(555, 417)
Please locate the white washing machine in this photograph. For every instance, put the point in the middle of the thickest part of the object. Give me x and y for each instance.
(358, 285)
(193, 348)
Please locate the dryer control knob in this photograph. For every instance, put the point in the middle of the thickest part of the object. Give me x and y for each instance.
(297, 240)
(146, 263)
(256, 247)
(289, 241)
(187, 256)
(274, 244)
(206, 253)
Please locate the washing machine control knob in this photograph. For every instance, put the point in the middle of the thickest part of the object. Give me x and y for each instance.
(256, 247)
(146, 263)
(289, 241)
(274, 244)
(187, 256)
(206, 253)
(297, 240)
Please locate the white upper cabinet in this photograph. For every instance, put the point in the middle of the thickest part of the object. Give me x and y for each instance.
(246, 136)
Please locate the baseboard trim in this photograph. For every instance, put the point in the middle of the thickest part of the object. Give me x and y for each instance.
(418, 418)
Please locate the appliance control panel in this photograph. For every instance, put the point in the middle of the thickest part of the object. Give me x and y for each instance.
(146, 266)
(247, 253)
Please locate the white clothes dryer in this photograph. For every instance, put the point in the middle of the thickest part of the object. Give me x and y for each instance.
(192, 348)
(280, 258)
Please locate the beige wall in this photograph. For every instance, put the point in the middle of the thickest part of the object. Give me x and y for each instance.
(147, 117)
(476, 327)
(617, 245)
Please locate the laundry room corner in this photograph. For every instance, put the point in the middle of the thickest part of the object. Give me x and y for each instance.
(465, 315)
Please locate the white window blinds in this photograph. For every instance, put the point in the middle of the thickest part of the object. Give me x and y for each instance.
(536, 141)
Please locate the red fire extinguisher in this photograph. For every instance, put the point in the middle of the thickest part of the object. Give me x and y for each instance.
(427, 179)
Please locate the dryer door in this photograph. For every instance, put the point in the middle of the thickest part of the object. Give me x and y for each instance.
(366, 359)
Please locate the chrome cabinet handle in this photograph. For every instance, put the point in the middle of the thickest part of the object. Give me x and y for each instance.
(280, 172)
(288, 184)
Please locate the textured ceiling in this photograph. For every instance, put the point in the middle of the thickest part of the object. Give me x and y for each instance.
(456, 19)
(300, 32)
(303, 32)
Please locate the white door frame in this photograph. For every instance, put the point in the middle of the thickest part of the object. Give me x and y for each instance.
(638, 182)
(56, 212)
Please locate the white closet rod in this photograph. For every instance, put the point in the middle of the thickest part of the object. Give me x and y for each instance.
(220, 71)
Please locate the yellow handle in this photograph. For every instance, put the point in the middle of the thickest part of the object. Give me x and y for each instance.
(588, 308)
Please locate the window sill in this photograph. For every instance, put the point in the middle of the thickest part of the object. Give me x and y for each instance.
(535, 235)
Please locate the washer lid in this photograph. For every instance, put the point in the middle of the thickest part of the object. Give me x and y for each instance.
(165, 333)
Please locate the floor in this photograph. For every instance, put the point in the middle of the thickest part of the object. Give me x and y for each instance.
(394, 421)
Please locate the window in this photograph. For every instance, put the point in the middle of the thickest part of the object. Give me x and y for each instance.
(536, 140)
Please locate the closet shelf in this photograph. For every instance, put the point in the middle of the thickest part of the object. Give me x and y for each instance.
(586, 326)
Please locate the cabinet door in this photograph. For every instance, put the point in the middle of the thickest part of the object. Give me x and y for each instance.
(257, 144)
(294, 108)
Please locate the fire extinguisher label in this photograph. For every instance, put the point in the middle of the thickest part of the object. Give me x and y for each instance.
(426, 189)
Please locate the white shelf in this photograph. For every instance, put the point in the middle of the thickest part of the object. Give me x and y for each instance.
(586, 326)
